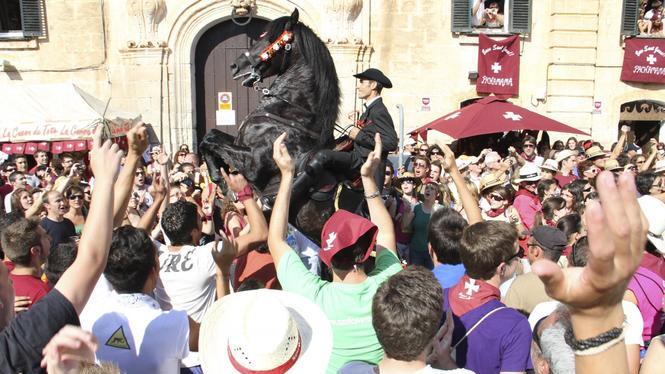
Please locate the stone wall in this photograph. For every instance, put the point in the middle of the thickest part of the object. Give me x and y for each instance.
(571, 59)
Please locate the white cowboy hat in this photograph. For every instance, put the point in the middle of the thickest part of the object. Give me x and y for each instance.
(565, 154)
(654, 211)
(529, 173)
(264, 330)
(550, 165)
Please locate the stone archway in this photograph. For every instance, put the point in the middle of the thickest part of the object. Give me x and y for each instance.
(646, 117)
(194, 20)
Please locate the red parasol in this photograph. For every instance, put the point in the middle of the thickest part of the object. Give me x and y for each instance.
(491, 115)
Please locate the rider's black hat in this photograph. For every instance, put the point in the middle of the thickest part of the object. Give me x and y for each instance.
(375, 75)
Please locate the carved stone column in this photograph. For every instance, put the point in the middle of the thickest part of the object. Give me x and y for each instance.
(146, 16)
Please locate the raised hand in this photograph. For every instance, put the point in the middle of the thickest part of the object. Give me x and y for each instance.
(21, 304)
(105, 158)
(137, 139)
(617, 233)
(235, 181)
(68, 349)
(223, 255)
(159, 187)
(448, 162)
(373, 159)
(441, 348)
(281, 155)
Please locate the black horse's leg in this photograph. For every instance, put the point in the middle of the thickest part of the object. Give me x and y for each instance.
(220, 152)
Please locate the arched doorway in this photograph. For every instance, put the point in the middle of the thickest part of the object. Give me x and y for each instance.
(217, 48)
(646, 118)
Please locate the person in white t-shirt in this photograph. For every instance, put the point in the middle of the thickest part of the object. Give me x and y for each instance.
(132, 330)
(190, 278)
(406, 311)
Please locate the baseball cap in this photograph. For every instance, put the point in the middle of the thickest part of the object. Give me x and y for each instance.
(342, 230)
(550, 238)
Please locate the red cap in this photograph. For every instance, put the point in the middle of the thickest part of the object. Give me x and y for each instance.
(342, 230)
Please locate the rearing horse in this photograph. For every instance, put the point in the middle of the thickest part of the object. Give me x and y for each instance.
(303, 101)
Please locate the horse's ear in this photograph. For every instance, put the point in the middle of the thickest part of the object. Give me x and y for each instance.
(294, 19)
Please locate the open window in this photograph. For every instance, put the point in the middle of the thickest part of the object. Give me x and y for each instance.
(643, 18)
(491, 16)
(21, 19)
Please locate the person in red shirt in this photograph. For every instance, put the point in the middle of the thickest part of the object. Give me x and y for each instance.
(567, 160)
(27, 245)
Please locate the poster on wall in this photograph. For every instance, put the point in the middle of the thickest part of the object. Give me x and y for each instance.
(644, 61)
(498, 65)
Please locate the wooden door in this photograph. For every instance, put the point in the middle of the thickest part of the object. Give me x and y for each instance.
(215, 52)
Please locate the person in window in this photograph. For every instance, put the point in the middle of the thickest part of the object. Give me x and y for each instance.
(487, 13)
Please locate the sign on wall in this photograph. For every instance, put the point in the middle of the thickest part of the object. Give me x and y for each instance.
(498, 65)
(225, 115)
(644, 61)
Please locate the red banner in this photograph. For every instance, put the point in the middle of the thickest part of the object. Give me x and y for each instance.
(644, 60)
(498, 65)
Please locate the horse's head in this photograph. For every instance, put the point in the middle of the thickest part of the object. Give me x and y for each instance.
(268, 56)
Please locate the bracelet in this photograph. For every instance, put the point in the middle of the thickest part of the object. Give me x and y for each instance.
(373, 195)
(597, 344)
(245, 194)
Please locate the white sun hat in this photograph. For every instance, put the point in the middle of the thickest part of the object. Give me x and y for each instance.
(262, 330)
(654, 211)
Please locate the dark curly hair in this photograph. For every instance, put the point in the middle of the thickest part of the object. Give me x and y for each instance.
(131, 259)
(178, 221)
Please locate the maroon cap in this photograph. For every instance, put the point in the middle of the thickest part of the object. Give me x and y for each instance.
(342, 230)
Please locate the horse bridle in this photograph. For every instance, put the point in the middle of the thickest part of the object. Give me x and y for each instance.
(282, 42)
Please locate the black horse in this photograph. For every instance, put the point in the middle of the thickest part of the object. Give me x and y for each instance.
(303, 101)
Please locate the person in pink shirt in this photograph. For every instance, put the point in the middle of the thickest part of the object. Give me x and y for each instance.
(526, 200)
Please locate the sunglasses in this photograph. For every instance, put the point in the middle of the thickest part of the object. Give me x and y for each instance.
(519, 254)
(424, 149)
(409, 181)
(528, 145)
(496, 197)
(75, 197)
(139, 173)
(436, 152)
(87, 192)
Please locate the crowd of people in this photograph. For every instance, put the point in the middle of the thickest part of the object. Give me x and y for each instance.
(482, 263)
(529, 257)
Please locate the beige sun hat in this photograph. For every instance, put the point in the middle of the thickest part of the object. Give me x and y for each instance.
(565, 154)
(261, 330)
(612, 165)
(550, 165)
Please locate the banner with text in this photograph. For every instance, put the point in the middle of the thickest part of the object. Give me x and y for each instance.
(644, 60)
(498, 65)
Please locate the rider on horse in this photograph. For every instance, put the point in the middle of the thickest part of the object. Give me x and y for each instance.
(374, 119)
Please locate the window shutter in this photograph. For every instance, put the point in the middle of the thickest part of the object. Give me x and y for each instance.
(32, 19)
(629, 17)
(461, 20)
(520, 16)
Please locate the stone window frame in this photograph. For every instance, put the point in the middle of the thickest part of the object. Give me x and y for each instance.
(33, 22)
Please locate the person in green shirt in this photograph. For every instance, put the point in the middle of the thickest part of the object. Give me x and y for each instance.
(347, 240)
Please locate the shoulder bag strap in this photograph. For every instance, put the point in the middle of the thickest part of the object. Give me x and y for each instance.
(477, 324)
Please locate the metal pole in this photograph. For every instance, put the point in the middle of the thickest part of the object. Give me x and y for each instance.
(400, 108)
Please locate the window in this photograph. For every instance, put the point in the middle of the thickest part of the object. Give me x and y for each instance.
(21, 19)
(491, 16)
(643, 18)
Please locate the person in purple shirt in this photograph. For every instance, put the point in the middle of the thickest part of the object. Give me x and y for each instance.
(444, 234)
(488, 336)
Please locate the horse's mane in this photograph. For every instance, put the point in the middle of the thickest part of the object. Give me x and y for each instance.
(318, 58)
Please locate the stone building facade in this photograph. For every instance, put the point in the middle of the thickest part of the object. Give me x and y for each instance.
(143, 54)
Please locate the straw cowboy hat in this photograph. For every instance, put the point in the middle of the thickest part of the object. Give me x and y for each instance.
(463, 161)
(406, 176)
(593, 152)
(491, 180)
(238, 336)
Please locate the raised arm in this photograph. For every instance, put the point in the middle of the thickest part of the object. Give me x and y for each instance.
(653, 151)
(378, 213)
(77, 282)
(620, 143)
(280, 211)
(159, 192)
(469, 203)
(617, 232)
(137, 138)
(258, 227)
